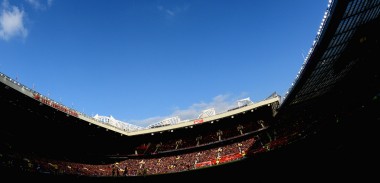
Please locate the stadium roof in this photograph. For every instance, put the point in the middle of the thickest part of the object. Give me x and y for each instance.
(342, 33)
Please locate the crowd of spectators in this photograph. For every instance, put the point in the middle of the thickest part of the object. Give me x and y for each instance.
(133, 166)
(223, 150)
(205, 138)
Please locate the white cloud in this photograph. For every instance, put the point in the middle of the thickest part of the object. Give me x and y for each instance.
(40, 4)
(49, 3)
(220, 103)
(12, 22)
(172, 12)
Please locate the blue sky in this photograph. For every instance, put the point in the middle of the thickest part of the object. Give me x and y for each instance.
(143, 61)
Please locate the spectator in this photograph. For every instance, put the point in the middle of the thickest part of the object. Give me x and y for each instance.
(198, 139)
(142, 163)
(240, 129)
(219, 133)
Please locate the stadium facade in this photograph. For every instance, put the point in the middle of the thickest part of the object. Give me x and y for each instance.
(322, 117)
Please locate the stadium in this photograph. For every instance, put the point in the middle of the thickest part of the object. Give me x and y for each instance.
(323, 120)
